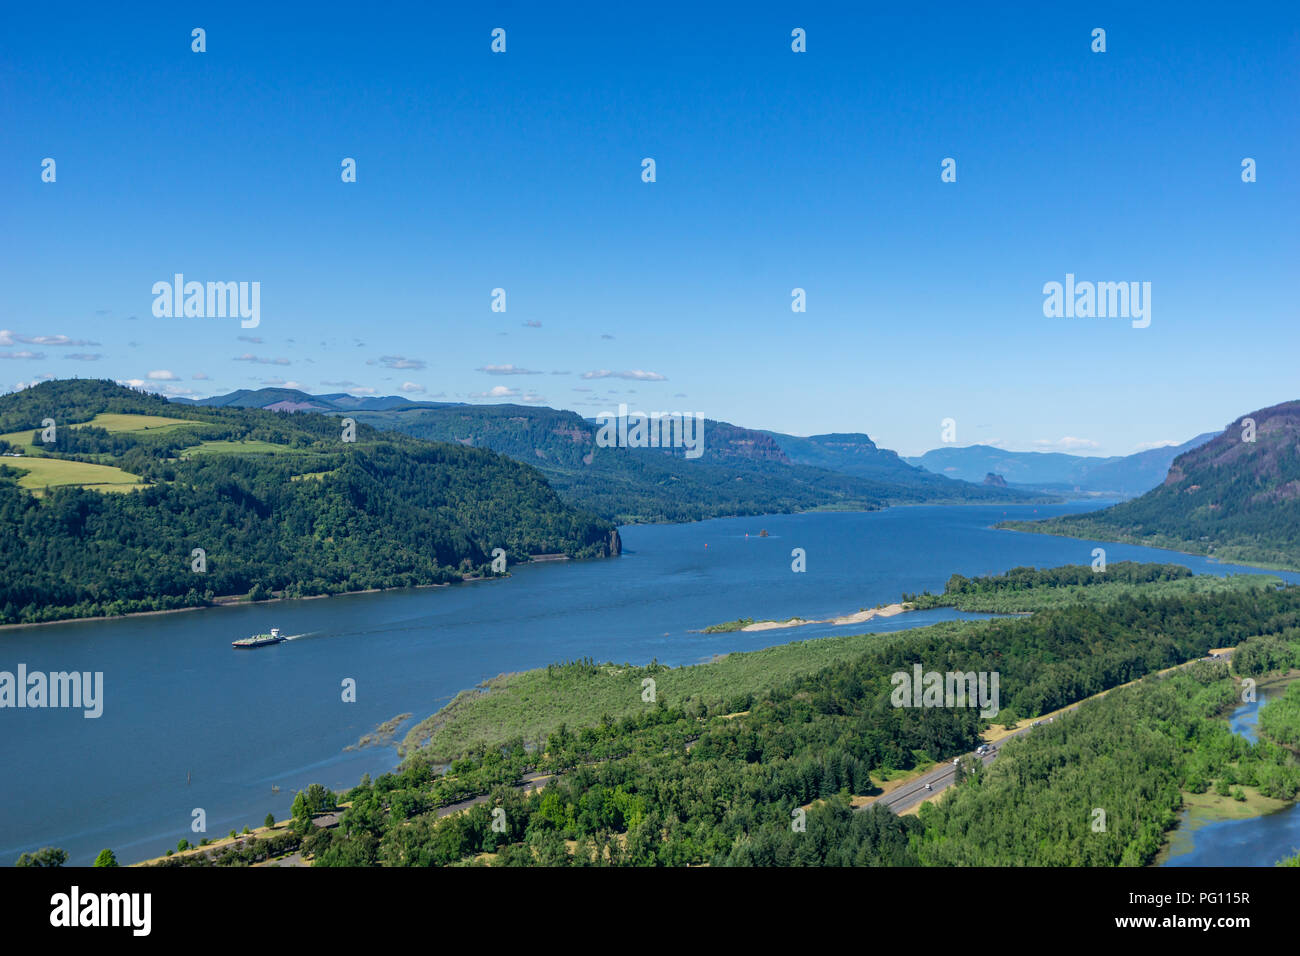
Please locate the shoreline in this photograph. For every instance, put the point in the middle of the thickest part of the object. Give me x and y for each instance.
(1209, 556)
(240, 600)
(857, 617)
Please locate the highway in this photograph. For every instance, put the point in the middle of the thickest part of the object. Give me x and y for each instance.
(944, 776)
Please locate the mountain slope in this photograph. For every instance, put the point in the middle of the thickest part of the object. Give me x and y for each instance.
(293, 400)
(276, 502)
(856, 454)
(1125, 475)
(1235, 499)
(742, 471)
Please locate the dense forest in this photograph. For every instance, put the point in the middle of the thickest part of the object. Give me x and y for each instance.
(742, 471)
(1236, 497)
(1102, 788)
(693, 781)
(306, 514)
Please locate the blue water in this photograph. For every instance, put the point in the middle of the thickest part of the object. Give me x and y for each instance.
(179, 700)
(1256, 841)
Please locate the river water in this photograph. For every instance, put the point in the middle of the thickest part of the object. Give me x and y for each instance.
(1255, 841)
(189, 723)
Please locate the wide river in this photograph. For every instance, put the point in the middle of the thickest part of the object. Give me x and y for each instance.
(190, 723)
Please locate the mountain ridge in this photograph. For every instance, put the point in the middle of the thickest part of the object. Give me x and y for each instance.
(1236, 497)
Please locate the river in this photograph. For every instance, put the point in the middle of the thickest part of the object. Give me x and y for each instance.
(1254, 841)
(189, 723)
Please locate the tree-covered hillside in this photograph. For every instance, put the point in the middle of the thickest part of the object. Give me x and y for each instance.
(276, 501)
(1233, 497)
(742, 471)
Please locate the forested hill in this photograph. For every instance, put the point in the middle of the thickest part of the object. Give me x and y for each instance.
(742, 471)
(107, 517)
(1231, 497)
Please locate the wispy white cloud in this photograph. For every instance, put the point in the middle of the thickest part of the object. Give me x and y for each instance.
(400, 361)
(506, 370)
(636, 375)
(1067, 443)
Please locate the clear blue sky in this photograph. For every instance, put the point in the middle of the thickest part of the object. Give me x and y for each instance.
(775, 170)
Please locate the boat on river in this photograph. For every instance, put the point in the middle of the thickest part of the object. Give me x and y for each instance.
(259, 640)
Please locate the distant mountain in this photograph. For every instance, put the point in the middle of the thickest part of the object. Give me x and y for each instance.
(1122, 475)
(743, 471)
(293, 400)
(1238, 500)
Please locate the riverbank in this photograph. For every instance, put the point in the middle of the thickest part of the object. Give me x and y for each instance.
(242, 600)
(1087, 532)
(1210, 807)
(748, 625)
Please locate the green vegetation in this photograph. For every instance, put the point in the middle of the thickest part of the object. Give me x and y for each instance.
(535, 704)
(1268, 654)
(1279, 719)
(1231, 498)
(1128, 754)
(46, 856)
(438, 510)
(36, 473)
(695, 777)
(106, 858)
(1021, 590)
(729, 626)
(237, 448)
(742, 471)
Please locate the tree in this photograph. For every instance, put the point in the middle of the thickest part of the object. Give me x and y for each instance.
(106, 858)
(269, 821)
(45, 856)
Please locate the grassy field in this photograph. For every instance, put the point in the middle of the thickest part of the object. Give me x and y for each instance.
(50, 472)
(239, 448)
(532, 704)
(110, 422)
(113, 422)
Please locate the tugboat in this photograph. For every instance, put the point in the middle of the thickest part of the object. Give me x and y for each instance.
(259, 640)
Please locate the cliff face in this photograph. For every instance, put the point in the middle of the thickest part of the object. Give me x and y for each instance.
(615, 544)
(1237, 496)
(994, 479)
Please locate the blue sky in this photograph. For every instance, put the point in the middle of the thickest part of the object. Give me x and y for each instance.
(775, 170)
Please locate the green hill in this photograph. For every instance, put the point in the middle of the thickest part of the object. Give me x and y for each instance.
(742, 471)
(384, 511)
(1237, 500)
